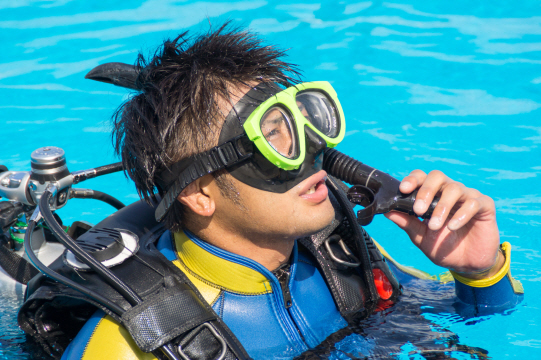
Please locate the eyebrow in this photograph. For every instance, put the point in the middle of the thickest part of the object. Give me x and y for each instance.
(275, 120)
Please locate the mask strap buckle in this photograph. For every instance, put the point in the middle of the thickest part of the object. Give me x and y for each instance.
(345, 249)
(219, 157)
(233, 151)
(196, 332)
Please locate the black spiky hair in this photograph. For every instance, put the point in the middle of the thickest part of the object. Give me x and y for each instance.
(176, 114)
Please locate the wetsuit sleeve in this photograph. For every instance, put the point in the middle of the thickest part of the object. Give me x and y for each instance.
(104, 338)
(501, 291)
(496, 294)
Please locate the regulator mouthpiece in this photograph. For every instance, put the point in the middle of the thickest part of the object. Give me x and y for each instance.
(375, 190)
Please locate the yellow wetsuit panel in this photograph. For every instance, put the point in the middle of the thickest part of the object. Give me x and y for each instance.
(443, 278)
(216, 272)
(111, 341)
(209, 291)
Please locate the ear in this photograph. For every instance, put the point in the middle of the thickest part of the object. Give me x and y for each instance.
(199, 197)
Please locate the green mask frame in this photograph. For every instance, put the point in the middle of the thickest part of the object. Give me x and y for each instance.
(286, 114)
(252, 156)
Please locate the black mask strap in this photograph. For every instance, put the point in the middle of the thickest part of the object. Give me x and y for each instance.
(184, 172)
(233, 151)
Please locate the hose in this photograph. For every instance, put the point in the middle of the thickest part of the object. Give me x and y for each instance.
(349, 169)
(62, 279)
(375, 190)
(108, 169)
(83, 175)
(82, 255)
(96, 195)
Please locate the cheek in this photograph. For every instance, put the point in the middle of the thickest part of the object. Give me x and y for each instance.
(272, 207)
(270, 212)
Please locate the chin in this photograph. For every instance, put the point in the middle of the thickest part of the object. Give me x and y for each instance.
(317, 219)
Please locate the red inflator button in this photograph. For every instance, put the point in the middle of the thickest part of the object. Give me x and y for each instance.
(385, 289)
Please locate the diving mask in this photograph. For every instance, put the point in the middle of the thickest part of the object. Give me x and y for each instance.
(272, 139)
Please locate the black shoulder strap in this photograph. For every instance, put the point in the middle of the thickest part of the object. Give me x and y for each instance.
(173, 311)
(16, 266)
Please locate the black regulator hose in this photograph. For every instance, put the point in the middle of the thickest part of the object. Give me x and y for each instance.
(375, 190)
(82, 255)
(108, 169)
(101, 270)
(62, 279)
(96, 195)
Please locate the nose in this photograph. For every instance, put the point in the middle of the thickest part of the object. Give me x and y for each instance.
(314, 142)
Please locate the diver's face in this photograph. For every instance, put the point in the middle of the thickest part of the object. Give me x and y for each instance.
(301, 211)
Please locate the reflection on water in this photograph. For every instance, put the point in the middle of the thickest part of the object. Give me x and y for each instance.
(461, 101)
(432, 85)
(417, 326)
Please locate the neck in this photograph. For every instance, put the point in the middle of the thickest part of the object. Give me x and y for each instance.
(271, 252)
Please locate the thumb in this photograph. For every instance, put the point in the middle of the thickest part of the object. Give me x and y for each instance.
(411, 224)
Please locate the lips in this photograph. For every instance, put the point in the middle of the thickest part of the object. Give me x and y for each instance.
(314, 189)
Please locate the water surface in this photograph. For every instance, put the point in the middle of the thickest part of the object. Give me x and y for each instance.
(453, 86)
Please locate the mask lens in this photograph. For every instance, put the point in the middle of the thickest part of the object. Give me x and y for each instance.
(319, 110)
(277, 128)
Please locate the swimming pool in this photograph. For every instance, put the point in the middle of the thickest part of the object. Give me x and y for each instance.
(430, 85)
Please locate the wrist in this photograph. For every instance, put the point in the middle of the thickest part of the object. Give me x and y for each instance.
(495, 273)
(487, 273)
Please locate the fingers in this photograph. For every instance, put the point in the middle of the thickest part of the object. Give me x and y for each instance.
(453, 196)
(433, 183)
(410, 224)
(412, 181)
(429, 185)
(473, 206)
(452, 193)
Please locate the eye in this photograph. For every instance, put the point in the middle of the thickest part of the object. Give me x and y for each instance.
(276, 128)
(272, 128)
(271, 133)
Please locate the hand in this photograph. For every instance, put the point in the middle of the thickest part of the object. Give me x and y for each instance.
(462, 234)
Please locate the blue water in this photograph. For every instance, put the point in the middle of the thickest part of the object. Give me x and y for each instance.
(453, 86)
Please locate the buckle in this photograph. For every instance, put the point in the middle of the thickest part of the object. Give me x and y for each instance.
(227, 153)
(233, 151)
(336, 238)
(196, 331)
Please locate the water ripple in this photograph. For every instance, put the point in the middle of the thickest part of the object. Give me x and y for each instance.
(462, 102)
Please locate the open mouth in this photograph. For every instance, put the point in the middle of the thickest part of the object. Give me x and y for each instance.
(317, 192)
(314, 187)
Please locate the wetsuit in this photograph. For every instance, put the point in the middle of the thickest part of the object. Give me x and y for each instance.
(269, 319)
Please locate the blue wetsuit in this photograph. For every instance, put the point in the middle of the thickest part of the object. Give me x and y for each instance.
(269, 323)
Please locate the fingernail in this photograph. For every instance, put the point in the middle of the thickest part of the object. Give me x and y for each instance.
(453, 225)
(434, 223)
(419, 207)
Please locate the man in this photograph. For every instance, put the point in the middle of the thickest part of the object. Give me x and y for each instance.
(236, 226)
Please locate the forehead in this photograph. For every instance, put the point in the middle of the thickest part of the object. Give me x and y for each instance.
(236, 92)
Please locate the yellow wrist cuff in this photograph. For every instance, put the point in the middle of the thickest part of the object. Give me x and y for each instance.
(506, 249)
